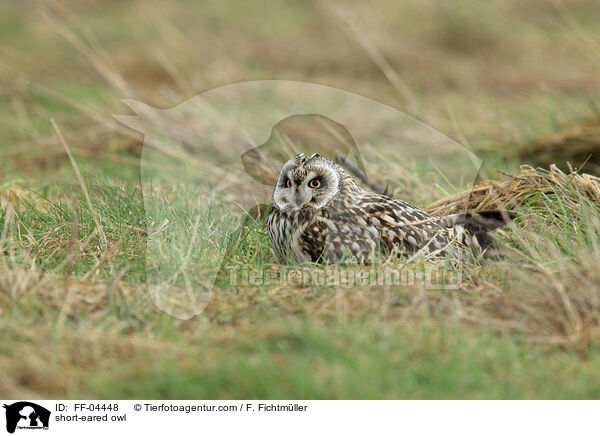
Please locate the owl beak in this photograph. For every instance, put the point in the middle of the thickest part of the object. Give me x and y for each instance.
(298, 200)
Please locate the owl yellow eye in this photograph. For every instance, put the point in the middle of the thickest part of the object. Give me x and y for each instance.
(314, 183)
(288, 183)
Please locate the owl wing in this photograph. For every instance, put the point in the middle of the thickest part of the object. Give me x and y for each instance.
(336, 234)
(373, 223)
(403, 224)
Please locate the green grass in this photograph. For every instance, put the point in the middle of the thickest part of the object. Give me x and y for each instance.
(44, 226)
(304, 360)
(311, 361)
(264, 341)
(76, 315)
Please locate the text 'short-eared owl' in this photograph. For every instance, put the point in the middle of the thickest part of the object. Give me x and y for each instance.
(320, 214)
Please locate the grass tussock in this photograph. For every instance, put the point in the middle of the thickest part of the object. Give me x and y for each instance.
(530, 187)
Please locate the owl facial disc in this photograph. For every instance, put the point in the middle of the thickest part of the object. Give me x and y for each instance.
(306, 183)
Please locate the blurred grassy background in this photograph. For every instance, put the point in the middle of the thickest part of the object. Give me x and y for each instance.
(493, 75)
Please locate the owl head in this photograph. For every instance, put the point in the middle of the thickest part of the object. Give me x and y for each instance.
(308, 183)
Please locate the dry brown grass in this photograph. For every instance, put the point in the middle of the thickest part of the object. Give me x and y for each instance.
(512, 191)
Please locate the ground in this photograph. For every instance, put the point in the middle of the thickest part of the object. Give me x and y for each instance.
(75, 314)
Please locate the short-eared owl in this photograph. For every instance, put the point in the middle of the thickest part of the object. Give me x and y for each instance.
(320, 214)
